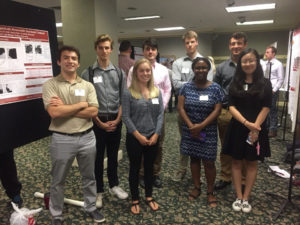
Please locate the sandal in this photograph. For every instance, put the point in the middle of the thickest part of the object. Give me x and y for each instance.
(211, 203)
(136, 207)
(148, 202)
(195, 193)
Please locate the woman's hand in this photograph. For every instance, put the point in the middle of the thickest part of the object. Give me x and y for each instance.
(143, 140)
(252, 126)
(253, 136)
(195, 130)
(153, 139)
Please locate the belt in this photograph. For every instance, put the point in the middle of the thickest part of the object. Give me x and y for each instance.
(107, 117)
(75, 134)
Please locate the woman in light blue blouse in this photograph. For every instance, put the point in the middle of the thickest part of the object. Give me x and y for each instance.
(143, 114)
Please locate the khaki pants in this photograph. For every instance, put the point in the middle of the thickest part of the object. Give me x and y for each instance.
(225, 160)
(184, 159)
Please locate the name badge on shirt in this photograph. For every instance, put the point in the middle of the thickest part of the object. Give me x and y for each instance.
(97, 79)
(79, 92)
(155, 101)
(245, 86)
(203, 98)
(185, 70)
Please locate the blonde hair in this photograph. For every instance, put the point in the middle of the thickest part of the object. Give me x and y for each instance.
(190, 34)
(134, 88)
(103, 38)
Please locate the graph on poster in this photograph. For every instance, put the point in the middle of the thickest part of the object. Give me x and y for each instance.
(25, 63)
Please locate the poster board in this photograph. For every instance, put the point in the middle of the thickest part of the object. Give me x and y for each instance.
(23, 118)
(294, 70)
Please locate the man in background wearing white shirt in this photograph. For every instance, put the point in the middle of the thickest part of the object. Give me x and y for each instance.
(273, 69)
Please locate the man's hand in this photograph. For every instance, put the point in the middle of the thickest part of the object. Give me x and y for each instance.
(56, 101)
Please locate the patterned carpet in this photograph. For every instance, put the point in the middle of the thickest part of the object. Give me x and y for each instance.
(33, 164)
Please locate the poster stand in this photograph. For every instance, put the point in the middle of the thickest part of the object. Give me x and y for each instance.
(288, 200)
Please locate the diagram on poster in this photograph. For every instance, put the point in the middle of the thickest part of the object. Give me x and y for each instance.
(25, 63)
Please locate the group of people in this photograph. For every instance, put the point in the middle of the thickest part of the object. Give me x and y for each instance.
(236, 102)
(87, 112)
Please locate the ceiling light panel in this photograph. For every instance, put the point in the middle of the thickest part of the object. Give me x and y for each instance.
(141, 18)
(169, 28)
(255, 22)
(250, 7)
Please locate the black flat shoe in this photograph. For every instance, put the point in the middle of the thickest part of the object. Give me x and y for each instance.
(221, 184)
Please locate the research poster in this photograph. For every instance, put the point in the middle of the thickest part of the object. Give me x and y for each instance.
(294, 69)
(25, 63)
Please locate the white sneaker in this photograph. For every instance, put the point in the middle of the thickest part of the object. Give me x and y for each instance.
(246, 207)
(237, 205)
(99, 200)
(119, 192)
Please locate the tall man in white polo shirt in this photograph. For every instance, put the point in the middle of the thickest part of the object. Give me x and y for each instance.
(273, 69)
(182, 73)
(162, 81)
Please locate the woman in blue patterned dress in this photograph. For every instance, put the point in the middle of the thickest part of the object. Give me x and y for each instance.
(199, 104)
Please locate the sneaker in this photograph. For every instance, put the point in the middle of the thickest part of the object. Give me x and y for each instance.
(237, 205)
(97, 216)
(117, 191)
(99, 200)
(17, 200)
(56, 222)
(178, 176)
(246, 207)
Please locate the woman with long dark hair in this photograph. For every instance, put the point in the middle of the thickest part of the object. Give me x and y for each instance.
(250, 96)
(199, 104)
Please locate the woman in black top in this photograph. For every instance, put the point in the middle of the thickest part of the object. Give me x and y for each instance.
(250, 96)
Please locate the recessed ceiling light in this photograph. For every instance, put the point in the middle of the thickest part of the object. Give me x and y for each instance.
(59, 24)
(250, 7)
(169, 28)
(142, 18)
(255, 22)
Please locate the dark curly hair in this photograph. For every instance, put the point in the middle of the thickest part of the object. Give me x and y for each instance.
(236, 87)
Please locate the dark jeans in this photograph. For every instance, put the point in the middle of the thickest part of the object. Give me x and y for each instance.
(8, 174)
(135, 152)
(272, 119)
(110, 141)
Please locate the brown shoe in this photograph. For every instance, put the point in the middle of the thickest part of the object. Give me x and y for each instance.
(272, 134)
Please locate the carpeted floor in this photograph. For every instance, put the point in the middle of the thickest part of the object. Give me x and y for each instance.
(33, 164)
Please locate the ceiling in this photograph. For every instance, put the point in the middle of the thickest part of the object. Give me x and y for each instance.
(207, 16)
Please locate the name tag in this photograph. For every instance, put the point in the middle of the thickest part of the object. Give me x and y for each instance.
(155, 101)
(97, 79)
(185, 70)
(203, 98)
(79, 92)
(245, 86)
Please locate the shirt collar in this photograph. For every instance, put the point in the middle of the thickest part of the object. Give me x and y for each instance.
(186, 58)
(96, 65)
(60, 78)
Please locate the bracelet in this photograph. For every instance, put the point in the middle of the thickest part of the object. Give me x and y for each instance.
(244, 122)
